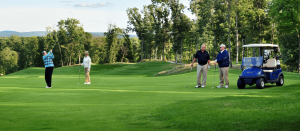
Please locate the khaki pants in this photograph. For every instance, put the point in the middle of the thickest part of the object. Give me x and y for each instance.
(200, 70)
(87, 75)
(223, 73)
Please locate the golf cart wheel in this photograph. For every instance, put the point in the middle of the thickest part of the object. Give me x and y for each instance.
(241, 84)
(260, 83)
(280, 81)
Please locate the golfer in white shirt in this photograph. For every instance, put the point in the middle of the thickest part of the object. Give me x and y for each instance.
(87, 67)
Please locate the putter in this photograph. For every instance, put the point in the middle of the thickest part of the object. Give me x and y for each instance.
(189, 78)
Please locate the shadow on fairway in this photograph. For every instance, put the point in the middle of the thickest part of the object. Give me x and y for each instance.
(262, 110)
(254, 87)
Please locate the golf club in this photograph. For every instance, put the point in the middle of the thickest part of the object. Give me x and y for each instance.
(189, 78)
(55, 41)
(214, 75)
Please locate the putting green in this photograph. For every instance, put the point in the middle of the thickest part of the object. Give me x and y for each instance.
(130, 97)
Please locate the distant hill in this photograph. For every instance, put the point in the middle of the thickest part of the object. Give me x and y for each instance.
(40, 33)
(22, 34)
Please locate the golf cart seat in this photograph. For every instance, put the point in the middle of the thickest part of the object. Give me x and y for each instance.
(271, 63)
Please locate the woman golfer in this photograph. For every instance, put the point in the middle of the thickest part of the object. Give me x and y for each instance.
(49, 67)
(87, 67)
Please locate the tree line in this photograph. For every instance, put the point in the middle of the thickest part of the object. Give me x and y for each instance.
(229, 22)
(71, 41)
(165, 32)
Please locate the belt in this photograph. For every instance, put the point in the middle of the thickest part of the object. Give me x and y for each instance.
(202, 65)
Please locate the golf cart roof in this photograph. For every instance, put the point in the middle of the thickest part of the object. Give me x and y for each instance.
(262, 45)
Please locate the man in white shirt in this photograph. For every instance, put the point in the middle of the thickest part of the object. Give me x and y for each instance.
(87, 67)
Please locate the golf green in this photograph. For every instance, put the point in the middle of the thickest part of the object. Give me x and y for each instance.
(130, 97)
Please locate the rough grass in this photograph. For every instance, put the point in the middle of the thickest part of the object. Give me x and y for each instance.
(130, 97)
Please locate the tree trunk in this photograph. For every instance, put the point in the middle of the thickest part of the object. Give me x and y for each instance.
(299, 54)
(71, 55)
(259, 41)
(142, 48)
(122, 58)
(156, 52)
(253, 39)
(70, 60)
(163, 43)
(214, 54)
(259, 29)
(243, 49)
(150, 54)
(163, 52)
(229, 50)
(273, 33)
(181, 51)
(176, 57)
(79, 56)
(190, 52)
(61, 58)
(153, 54)
(186, 56)
(237, 38)
(169, 55)
(197, 45)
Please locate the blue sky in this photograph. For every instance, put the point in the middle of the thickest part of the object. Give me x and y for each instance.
(95, 15)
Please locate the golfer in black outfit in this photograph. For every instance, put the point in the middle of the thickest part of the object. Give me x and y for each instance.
(203, 64)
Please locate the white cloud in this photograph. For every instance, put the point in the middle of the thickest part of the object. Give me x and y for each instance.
(37, 19)
(68, 1)
(25, 19)
(96, 5)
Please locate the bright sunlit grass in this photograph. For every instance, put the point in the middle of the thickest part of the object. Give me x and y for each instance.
(130, 97)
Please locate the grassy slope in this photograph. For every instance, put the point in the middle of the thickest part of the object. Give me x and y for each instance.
(128, 97)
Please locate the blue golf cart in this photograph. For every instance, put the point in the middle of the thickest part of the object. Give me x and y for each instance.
(262, 69)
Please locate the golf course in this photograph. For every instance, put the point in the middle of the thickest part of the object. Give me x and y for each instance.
(131, 97)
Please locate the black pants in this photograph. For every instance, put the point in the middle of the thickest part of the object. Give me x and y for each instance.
(48, 75)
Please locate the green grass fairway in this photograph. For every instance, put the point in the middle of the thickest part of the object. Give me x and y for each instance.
(129, 97)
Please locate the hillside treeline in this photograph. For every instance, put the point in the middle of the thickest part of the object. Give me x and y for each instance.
(165, 32)
(229, 22)
(71, 42)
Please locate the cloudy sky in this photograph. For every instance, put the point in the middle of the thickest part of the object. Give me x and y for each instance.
(95, 15)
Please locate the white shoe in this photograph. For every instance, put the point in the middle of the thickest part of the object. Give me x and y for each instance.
(202, 86)
(84, 83)
(197, 86)
(219, 86)
(88, 83)
(226, 86)
(47, 87)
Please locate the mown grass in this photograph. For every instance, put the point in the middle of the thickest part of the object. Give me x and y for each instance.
(130, 97)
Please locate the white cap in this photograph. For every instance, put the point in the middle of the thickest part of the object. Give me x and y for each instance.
(86, 52)
(44, 52)
(222, 45)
